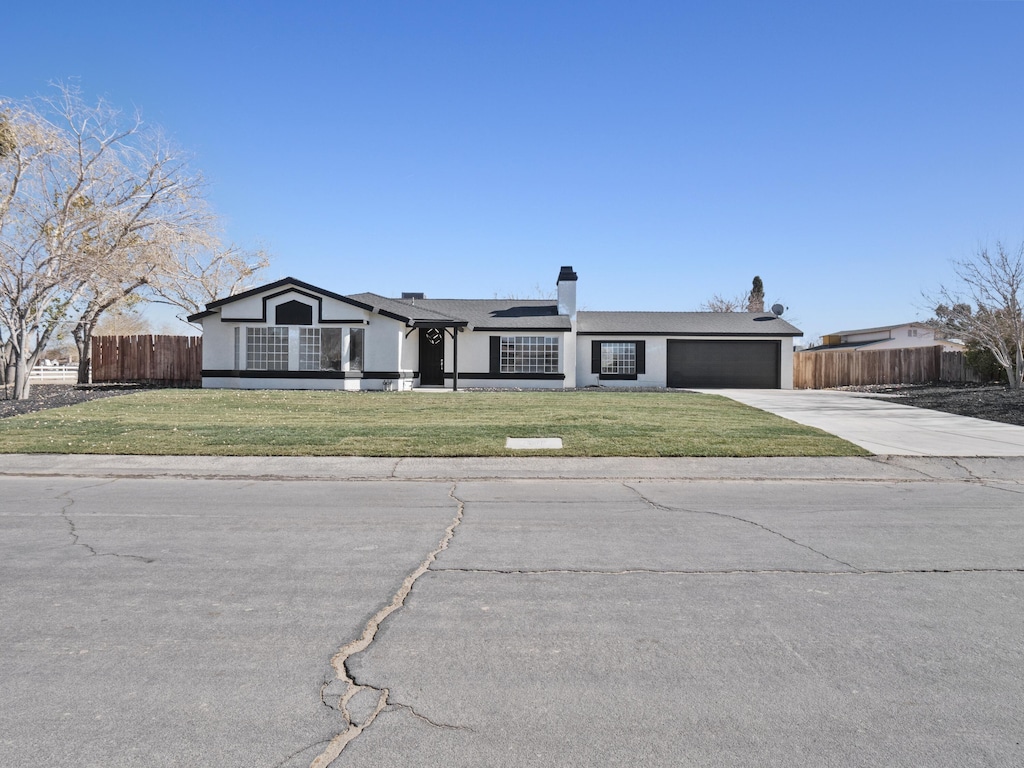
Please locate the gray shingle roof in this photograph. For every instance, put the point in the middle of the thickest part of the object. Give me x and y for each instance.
(542, 314)
(479, 314)
(413, 312)
(685, 324)
(500, 314)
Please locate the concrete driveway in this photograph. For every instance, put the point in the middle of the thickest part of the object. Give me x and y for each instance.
(885, 428)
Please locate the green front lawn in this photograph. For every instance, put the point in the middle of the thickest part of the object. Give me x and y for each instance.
(302, 423)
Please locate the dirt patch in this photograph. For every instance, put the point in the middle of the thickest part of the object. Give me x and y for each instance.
(43, 396)
(990, 402)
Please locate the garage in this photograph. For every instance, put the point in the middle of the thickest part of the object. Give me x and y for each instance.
(724, 364)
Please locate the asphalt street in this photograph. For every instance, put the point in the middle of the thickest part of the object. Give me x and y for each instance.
(854, 612)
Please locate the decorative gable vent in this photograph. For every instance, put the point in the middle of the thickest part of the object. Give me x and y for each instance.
(293, 313)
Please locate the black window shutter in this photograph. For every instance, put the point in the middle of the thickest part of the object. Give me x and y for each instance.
(595, 357)
(641, 357)
(495, 354)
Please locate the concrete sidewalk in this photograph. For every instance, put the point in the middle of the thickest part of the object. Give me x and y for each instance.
(885, 428)
(357, 468)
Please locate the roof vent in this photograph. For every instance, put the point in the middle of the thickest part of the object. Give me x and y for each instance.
(412, 295)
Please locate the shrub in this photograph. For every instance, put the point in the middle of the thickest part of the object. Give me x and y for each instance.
(985, 364)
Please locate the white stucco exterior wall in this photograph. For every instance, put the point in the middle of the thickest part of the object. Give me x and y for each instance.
(656, 353)
(218, 344)
(391, 346)
(384, 342)
(786, 363)
(475, 358)
(222, 354)
(899, 337)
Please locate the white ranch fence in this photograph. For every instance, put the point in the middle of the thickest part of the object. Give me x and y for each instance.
(54, 374)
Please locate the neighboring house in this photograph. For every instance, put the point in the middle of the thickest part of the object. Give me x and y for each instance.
(292, 335)
(887, 337)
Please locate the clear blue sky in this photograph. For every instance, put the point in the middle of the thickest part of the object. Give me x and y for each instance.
(843, 151)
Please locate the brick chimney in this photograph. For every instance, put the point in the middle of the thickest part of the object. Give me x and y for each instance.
(567, 293)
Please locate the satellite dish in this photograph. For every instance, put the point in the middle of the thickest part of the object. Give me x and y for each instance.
(778, 309)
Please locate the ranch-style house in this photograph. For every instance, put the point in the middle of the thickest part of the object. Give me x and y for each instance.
(292, 335)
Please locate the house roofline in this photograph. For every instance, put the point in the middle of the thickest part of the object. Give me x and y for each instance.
(912, 323)
(287, 281)
(638, 333)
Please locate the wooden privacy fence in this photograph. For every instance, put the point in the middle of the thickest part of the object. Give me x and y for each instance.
(165, 360)
(856, 367)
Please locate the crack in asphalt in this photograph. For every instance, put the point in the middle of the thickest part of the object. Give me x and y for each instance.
(791, 540)
(424, 718)
(76, 539)
(987, 481)
(893, 461)
(298, 752)
(1003, 488)
(969, 472)
(339, 662)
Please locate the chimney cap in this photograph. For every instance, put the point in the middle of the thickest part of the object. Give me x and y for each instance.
(566, 274)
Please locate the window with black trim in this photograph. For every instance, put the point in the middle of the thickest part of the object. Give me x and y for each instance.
(528, 354)
(618, 359)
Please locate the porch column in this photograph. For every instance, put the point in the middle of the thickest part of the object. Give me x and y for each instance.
(455, 359)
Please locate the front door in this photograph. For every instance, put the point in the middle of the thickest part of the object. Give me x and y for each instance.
(431, 357)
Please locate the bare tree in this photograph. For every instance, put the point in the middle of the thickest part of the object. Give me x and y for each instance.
(718, 303)
(987, 306)
(6, 361)
(147, 206)
(8, 142)
(123, 321)
(204, 274)
(42, 234)
(755, 299)
(96, 209)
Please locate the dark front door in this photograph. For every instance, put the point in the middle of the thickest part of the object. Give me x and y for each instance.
(431, 357)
